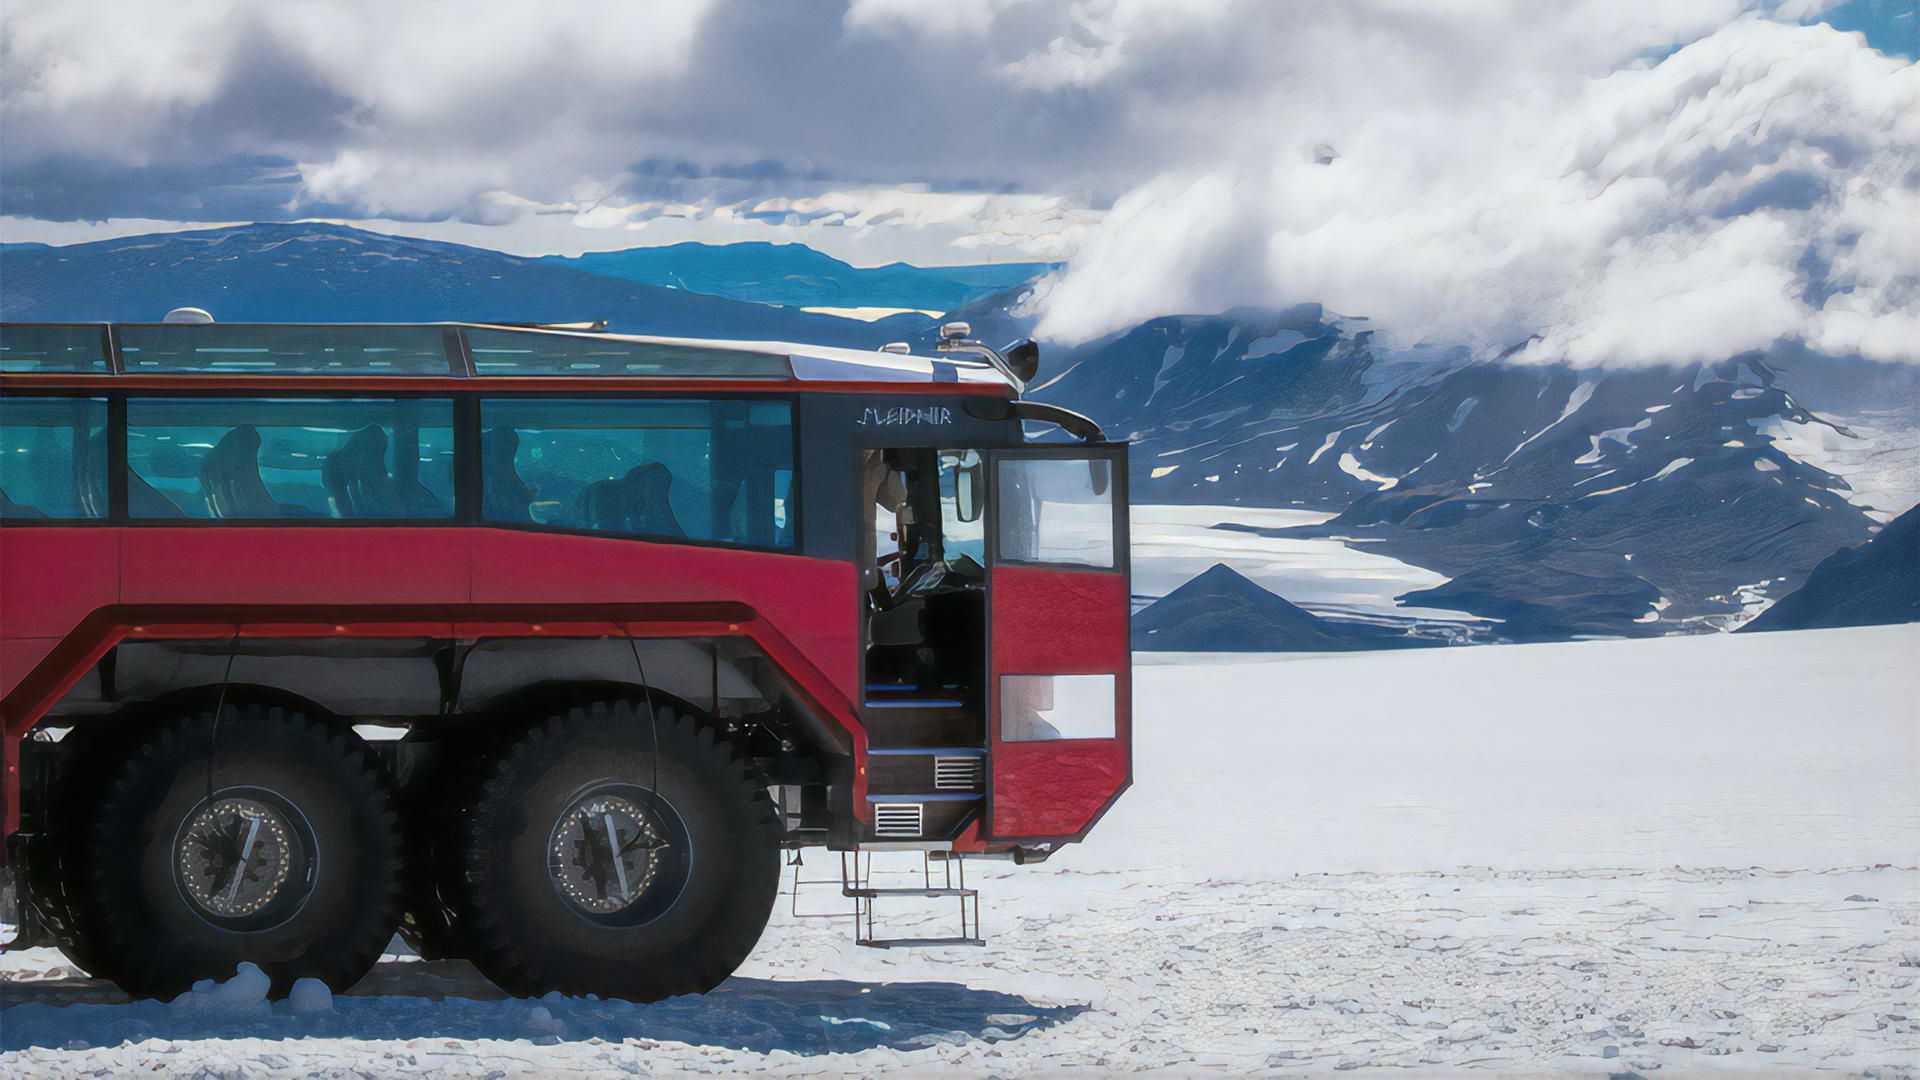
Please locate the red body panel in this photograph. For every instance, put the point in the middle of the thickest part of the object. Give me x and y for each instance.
(292, 565)
(70, 594)
(805, 600)
(50, 579)
(1049, 621)
(493, 384)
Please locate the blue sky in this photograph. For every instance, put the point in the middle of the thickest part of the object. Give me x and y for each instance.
(1892, 26)
(1637, 177)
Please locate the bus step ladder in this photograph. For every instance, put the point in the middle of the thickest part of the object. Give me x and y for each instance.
(859, 887)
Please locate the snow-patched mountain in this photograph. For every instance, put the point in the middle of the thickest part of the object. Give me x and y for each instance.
(799, 276)
(1873, 584)
(1564, 501)
(1221, 611)
(312, 272)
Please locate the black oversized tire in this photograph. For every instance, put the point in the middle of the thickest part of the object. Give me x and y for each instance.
(58, 883)
(434, 794)
(428, 924)
(334, 913)
(718, 891)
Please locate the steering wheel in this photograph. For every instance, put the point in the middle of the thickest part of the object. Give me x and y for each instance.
(949, 575)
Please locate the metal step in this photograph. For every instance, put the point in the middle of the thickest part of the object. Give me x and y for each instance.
(886, 688)
(856, 884)
(920, 942)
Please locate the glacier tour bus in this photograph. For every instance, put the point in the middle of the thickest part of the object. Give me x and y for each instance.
(536, 645)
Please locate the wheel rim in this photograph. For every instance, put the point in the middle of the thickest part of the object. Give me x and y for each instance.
(618, 855)
(244, 859)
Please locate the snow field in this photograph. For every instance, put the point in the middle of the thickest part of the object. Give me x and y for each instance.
(1685, 854)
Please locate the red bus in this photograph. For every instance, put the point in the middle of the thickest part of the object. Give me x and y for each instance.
(538, 646)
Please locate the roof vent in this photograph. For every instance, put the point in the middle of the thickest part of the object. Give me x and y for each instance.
(897, 348)
(188, 316)
(955, 331)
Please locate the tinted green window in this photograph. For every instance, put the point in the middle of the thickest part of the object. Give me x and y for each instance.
(533, 352)
(53, 458)
(240, 349)
(53, 348)
(667, 469)
(289, 458)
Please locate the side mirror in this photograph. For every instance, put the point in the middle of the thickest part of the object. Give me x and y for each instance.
(1023, 359)
(968, 491)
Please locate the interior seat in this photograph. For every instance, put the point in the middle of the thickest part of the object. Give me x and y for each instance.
(507, 497)
(637, 503)
(17, 511)
(143, 499)
(230, 477)
(356, 477)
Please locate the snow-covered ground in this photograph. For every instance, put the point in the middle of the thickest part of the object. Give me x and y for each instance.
(1682, 854)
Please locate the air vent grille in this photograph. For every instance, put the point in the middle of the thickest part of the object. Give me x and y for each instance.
(901, 821)
(956, 774)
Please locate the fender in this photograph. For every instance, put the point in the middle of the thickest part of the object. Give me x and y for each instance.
(831, 716)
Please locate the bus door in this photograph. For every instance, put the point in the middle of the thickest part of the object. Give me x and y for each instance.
(1059, 598)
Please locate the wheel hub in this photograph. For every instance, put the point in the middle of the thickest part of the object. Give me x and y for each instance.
(606, 853)
(235, 856)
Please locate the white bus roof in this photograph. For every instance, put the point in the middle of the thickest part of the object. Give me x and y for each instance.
(478, 350)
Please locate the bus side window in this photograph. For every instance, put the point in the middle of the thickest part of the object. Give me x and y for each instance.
(46, 468)
(963, 528)
(251, 459)
(659, 468)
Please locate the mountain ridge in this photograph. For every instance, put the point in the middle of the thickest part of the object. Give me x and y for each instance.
(1221, 610)
(321, 272)
(1873, 584)
(1643, 500)
(795, 275)
(1565, 502)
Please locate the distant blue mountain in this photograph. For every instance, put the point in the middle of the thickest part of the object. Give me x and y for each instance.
(798, 276)
(304, 272)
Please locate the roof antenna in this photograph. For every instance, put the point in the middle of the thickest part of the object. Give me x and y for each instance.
(188, 316)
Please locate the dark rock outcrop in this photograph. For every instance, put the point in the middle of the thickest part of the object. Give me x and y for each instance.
(1221, 611)
(1873, 584)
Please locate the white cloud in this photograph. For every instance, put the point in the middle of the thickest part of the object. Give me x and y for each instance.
(1759, 183)
(930, 18)
(1488, 171)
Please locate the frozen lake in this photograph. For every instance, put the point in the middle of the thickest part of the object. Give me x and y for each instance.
(1172, 544)
(1681, 854)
